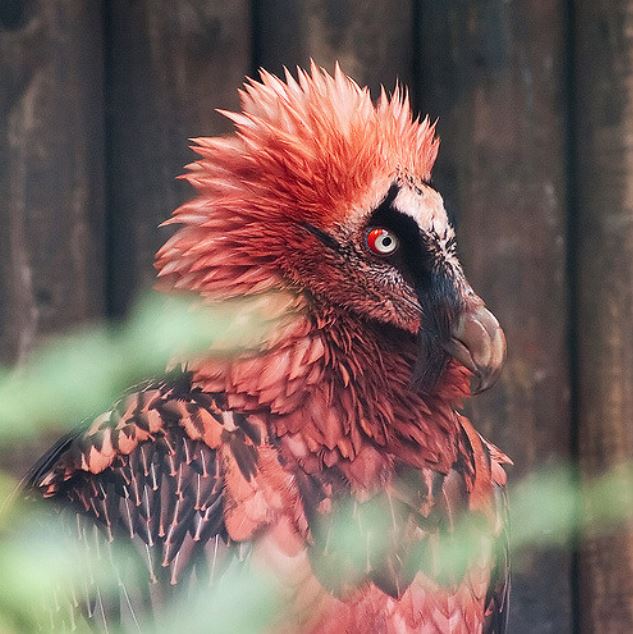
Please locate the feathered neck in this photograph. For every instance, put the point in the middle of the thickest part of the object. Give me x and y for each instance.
(333, 384)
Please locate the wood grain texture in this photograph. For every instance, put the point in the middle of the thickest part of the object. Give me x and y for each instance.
(604, 123)
(373, 41)
(51, 170)
(493, 72)
(169, 65)
(51, 178)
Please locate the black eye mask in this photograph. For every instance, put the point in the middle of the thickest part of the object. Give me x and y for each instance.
(421, 263)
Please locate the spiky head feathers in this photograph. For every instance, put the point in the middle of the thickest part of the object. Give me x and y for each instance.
(289, 195)
(319, 140)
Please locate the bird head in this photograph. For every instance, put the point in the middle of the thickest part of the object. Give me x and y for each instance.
(322, 191)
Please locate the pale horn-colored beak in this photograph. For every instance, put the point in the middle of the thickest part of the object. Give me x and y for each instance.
(477, 342)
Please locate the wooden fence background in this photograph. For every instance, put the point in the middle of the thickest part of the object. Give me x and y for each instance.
(535, 99)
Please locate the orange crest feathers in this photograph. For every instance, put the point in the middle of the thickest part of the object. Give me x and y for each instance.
(313, 149)
(310, 147)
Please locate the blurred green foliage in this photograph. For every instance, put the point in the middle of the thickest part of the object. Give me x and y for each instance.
(81, 374)
(78, 375)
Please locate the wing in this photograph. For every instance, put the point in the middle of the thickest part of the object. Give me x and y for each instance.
(188, 484)
(498, 597)
(436, 543)
(157, 471)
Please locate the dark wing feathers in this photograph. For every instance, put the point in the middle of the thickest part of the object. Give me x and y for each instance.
(138, 477)
(152, 474)
(498, 597)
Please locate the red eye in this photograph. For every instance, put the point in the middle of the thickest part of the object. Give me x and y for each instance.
(381, 241)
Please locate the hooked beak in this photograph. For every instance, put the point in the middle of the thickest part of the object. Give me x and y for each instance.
(477, 342)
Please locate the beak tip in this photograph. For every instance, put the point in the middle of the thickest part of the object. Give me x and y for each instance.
(479, 344)
(484, 380)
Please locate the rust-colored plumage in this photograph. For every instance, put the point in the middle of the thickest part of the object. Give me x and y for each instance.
(320, 207)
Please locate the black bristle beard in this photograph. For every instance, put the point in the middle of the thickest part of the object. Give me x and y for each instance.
(430, 364)
(440, 302)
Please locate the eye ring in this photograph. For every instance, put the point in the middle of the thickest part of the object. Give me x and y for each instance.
(381, 241)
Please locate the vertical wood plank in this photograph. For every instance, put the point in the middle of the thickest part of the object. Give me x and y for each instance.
(604, 125)
(51, 169)
(169, 65)
(494, 72)
(373, 41)
(51, 177)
